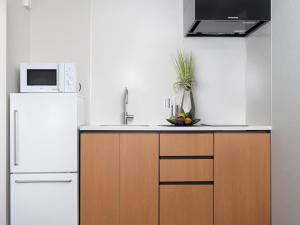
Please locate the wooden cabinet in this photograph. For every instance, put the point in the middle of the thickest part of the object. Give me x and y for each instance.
(99, 179)
(139, 179)
(186, 176)
(175, 178)
(119, 179)
(187, 144)
(186, 170)
(242, 179)
(186, 205)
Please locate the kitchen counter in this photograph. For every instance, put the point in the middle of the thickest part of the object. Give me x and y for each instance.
(167, 128)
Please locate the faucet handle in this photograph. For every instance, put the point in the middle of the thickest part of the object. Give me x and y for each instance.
(128, 116)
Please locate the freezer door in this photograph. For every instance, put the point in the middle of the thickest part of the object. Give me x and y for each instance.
(43, 133)
(44, 199)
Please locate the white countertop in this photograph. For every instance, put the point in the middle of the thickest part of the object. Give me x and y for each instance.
(167, 128)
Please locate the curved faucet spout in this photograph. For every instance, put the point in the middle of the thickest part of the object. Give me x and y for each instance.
(126, 116)
(126, 96)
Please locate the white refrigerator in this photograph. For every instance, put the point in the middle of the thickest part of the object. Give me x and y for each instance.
(44, 159)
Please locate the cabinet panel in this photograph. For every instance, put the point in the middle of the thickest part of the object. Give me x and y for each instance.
(99, 183)
(186, 170)
(139, 179)
(186, 144)
(188, 205)
(242, 179)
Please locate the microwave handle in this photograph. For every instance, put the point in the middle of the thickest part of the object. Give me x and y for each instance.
(16, 138)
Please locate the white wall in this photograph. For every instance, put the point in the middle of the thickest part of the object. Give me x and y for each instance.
(286, 111)
(133, 44)
(60, 32)
(258, 77)
(3, 155)
(18, 43)
(52, 31)
(18, 47)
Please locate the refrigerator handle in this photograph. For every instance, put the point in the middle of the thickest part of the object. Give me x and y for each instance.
(16, 139)
(41, 181)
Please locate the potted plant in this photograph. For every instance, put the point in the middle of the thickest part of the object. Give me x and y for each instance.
(184, 65)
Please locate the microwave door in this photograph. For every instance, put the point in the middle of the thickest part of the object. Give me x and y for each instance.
(42, 79)
(39, 78)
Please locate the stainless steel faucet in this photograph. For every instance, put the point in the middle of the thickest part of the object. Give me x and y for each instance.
(126, 116)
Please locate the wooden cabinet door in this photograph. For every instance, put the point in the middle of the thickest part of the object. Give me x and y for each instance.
(242, 179)
(99, 179)
(186, 205)
(139, 179)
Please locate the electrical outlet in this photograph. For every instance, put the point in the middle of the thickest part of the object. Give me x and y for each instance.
(167, 102)
(170, 106)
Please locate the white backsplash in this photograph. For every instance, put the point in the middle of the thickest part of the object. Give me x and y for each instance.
(133, 43)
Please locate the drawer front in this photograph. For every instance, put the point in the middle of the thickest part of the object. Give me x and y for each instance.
(188, 205)
(186, 170)
(186, 144)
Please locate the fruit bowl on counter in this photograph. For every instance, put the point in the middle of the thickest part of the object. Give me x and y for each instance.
(183, 119)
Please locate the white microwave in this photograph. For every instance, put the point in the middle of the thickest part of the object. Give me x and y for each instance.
(48, 78)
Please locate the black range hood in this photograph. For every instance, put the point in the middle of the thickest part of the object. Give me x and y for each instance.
(224, 18)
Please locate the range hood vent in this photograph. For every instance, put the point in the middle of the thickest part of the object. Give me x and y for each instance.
(224, 18)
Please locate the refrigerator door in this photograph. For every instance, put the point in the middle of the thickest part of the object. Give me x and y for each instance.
(43, 133)
(44, 199)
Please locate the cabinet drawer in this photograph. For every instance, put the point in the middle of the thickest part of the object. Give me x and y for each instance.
(188, 205)
(186, 144)
(185, 170)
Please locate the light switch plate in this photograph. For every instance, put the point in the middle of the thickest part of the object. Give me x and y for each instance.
(27, 4)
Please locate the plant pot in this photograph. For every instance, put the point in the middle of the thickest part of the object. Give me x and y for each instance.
(187, 104)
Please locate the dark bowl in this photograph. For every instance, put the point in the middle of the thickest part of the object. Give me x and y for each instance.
(175, 122)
